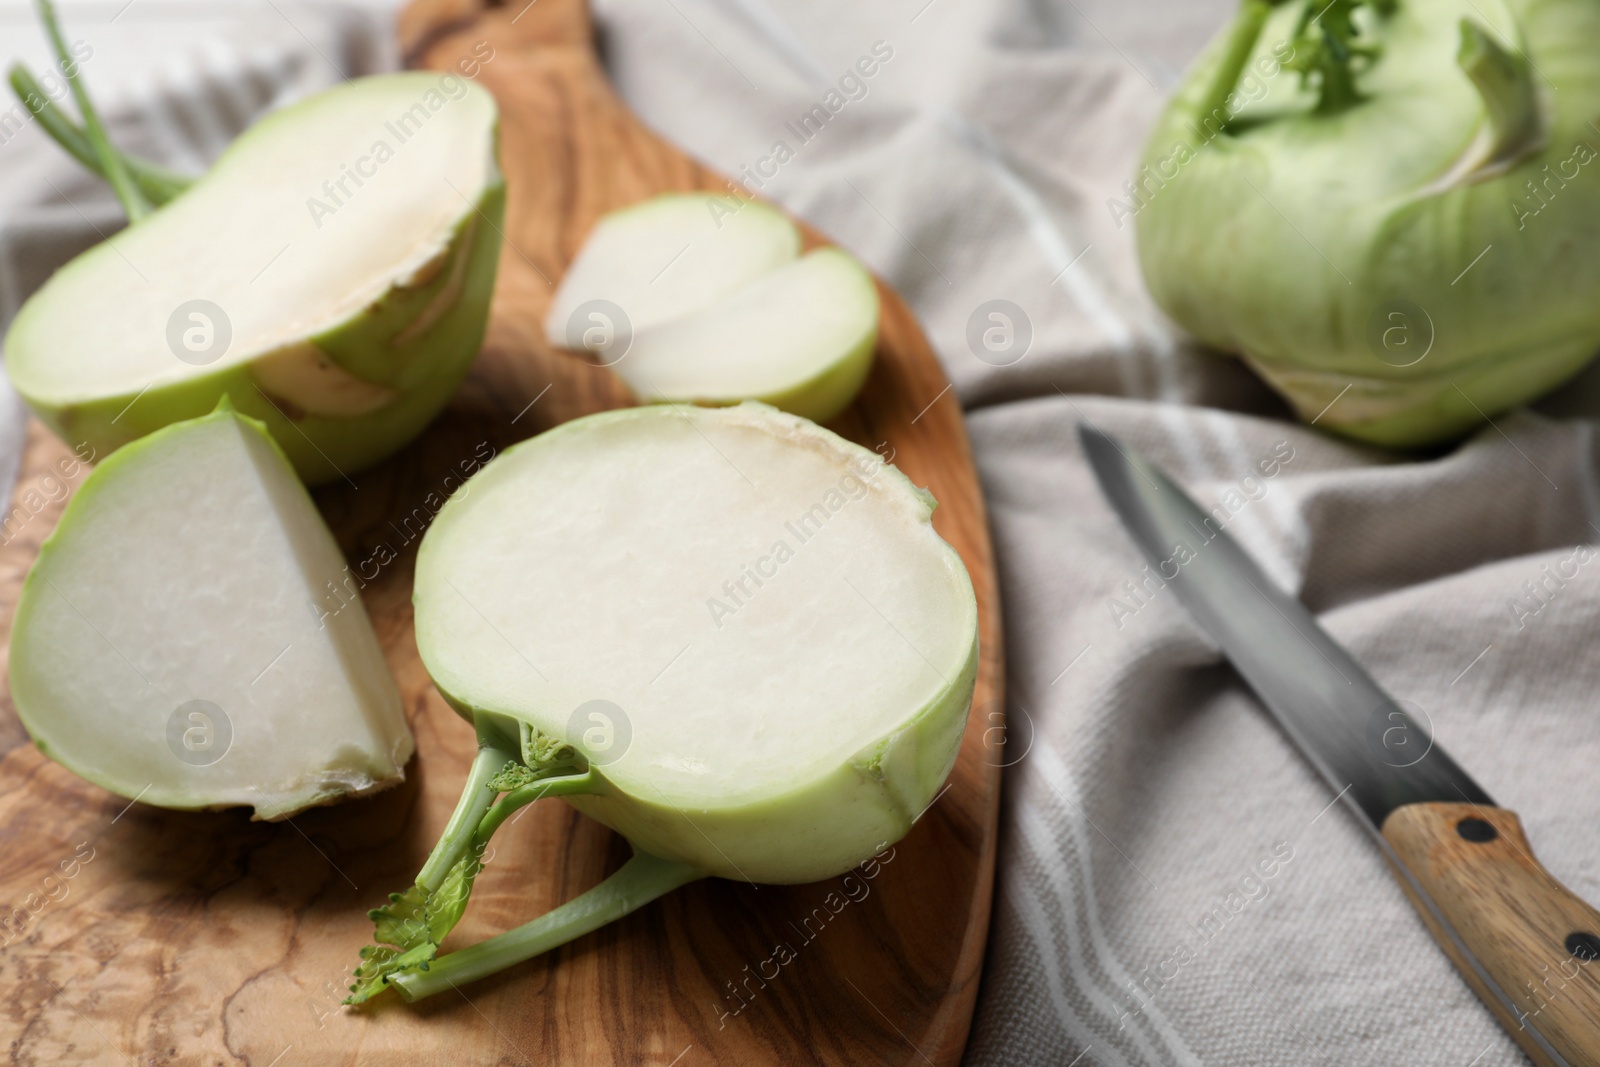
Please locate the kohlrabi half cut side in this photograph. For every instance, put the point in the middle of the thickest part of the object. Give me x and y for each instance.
(331, 274)
(176, 641)
(727, 633)
(799, 338)
(704, 298)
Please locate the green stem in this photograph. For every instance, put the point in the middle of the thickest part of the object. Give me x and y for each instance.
(641, 880)
(158, 184)
(521, 796)
(1242, 39)
(111, 164)
(1509, 95)
(476, 797)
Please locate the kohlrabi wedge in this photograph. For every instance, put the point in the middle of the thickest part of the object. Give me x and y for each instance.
(726, 633)
(331, 274)
(705, 298)
(174, 641)
(1390, 208)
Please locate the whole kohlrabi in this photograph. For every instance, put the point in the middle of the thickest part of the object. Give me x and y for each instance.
(1391, 210)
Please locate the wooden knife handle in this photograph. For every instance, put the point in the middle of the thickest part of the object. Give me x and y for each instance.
(1526, 931)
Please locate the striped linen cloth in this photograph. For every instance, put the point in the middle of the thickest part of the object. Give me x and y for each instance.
(1174, 886)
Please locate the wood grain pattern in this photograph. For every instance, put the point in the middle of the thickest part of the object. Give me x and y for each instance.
(140, 935)
(1515, 919)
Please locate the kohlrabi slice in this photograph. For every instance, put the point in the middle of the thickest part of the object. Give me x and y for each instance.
(666, 258)
(178, 640)
(727, 633)
(702, 298)
(799, 338)
(331, 274)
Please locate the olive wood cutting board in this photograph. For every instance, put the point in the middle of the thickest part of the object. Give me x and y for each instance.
(136, 935)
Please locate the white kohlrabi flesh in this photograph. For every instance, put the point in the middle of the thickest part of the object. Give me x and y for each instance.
(707, 299)
(671, 256)
(1390, 208)
(330, 274)
(183, 639)
(726, 633)
(775, 339)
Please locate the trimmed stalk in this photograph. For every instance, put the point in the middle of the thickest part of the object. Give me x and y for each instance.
(111, 164)
(1509, 96)
(1241, 44)
(158, 184)
(410, 928)
(476, 797)
(641, 880)
(565, 786)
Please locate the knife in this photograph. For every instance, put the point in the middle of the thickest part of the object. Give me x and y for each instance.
(1525, 943)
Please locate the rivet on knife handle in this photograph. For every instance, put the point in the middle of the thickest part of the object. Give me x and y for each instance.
(1536, 940)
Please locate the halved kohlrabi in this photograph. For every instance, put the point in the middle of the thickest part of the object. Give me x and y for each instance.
(187, 636)
(727, 633)
(706, 299)
(331, 274)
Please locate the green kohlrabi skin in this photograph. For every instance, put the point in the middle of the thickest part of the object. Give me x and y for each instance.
(1404, 261)
(324, 448)
(390, 365)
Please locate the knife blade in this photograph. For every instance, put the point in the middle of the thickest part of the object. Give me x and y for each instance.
(1525, 944)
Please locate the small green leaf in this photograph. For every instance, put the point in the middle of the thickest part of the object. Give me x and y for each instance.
(445, 907)
(408, 930)
(1327, 46)
(379, 966)
(402, 921)
(512, 775)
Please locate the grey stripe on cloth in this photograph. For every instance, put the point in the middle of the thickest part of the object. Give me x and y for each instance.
(1174, 887)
